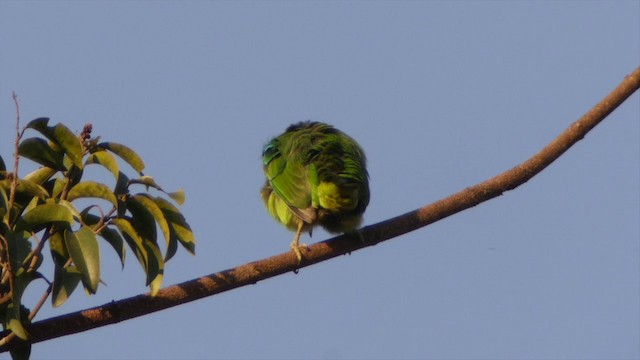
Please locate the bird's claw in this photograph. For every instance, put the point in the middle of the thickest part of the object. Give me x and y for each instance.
(296, 249)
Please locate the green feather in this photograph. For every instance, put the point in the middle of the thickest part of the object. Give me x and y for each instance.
(315, 175)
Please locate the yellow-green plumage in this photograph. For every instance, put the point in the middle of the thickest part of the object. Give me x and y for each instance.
(316, 175)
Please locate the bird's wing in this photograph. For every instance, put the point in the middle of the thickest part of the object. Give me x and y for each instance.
(289, 179)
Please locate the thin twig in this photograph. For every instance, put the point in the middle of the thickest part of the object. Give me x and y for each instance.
(253, 272)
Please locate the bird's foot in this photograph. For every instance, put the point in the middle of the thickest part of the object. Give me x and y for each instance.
(296, 247)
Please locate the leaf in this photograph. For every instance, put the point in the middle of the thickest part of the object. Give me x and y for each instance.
(61, 136)
(92, 189)
(121, 190)
(178, 225)
(110, 235)
(134, 241)
(157, 264)
(38, 150)
(105, 159)
(59, 251)
(3, 167)
(146, 180)
(145, 251)
(85, 253)
(56, 186)
(19, 249)
(67, 204)
(125, 153)
(14, 310)
(14, 322)
(31, 188)
(142, 219)
(4, 206)
(40, 175)
(65, 281)
(155, 211)
(177, 196)
(115, 240)
(44, 214)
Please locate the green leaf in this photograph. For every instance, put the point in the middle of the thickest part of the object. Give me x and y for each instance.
(121, 190)
(56, 186)
(177, 196)
(3, 167)
(4, 206)
(43, 215)
(125, 153)
(142, 219)
(92, 189)
(105, 159)
(14, 322)
(178, 225)
(155, 211)
(157, 264)
(14, 310)
(61, 136)
(145, 251)
(110, 235)
(40, 175)
(59, 251)
(115, 240)
(39, 123)
(41, 152)
(67, 204)
(85, 253)
(146, 180)
(134, 241)
(65, 281)
(19, 249)
(31, 188)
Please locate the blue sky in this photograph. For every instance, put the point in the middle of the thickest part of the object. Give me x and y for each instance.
(441, 95)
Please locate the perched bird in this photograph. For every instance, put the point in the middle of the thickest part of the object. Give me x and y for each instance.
(316, 175)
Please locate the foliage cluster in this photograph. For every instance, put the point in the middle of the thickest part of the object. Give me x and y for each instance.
(42, 208)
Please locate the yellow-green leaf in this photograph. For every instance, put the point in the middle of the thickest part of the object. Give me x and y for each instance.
(155, 211)
(59, 251)
(142, 219)
(40, 175)
(4, 206)
(14, 322)
(177, 223)
(65, 281)
(41, 152)
(110, 235)
(156, 268)
(62, 137)
(44, 214)
(105, 159)
(85, 254)
(134, 241)
(14, 313)
(66, 139)
(125, 153)
(19, 248)
(92, 189)
(177, 196)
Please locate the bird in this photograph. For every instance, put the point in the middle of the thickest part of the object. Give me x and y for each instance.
(315, 175)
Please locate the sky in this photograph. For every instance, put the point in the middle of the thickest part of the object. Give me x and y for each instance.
(440, 94)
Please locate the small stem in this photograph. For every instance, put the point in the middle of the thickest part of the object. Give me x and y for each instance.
(16, 157)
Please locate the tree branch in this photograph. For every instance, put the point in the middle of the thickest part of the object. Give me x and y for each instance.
(253, 272)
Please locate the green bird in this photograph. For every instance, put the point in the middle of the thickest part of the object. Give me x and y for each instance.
(316, 175)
